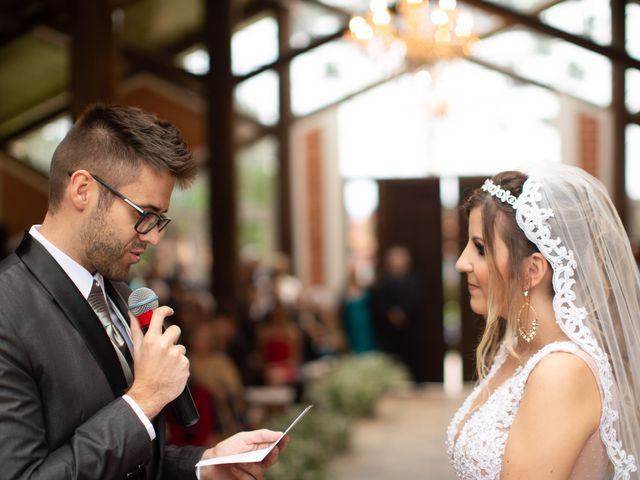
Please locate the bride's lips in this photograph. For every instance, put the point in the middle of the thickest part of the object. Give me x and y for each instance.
(472, 286)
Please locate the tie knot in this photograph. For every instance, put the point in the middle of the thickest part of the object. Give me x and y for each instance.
(97, 301)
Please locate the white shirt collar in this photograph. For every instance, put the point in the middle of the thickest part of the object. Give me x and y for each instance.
(79, 275)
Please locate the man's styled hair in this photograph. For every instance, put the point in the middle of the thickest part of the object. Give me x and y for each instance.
(114, 142)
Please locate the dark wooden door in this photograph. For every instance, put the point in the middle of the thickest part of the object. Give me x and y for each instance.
(409, 214)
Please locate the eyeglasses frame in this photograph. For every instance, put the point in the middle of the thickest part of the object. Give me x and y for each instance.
(161, 221)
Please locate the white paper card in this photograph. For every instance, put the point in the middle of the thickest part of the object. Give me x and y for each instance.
(254, 455)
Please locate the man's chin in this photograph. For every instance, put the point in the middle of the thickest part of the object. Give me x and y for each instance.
(117, 273)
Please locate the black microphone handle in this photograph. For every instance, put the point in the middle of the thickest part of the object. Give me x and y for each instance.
(184, 408)
(183, 405)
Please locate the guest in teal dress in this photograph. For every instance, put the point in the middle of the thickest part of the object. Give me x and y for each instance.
(356, 315)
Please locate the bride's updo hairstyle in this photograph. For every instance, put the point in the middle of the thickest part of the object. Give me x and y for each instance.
(505, 294)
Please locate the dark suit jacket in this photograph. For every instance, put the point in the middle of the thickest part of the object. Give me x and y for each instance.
(61, 411)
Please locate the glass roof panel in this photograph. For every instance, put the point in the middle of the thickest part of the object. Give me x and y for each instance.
(258, 97)
(559, 64)
(309, 22)
(483, 23)
(633, 29)
(525, 6)
(36, 147)
(348, 5)
(251, 47)
(632, 94)
(588, 18)
(633, 162)
(328, 73)
(194, 60)
(254, 45)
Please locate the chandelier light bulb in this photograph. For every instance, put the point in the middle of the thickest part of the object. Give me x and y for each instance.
(378, 5)
(464, 25)
(381, 17)
(439, 17)
(442, 36)
(447, 4)
(360, 29)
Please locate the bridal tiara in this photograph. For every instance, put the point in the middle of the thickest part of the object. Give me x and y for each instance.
(499, 192)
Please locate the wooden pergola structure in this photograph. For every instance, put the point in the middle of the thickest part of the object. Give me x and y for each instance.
(99, 61)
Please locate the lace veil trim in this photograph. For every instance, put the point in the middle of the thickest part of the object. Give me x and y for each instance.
(533, 220)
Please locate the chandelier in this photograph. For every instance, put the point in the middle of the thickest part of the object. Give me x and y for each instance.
(428, 33)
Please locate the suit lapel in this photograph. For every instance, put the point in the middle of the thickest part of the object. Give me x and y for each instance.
(77, 310)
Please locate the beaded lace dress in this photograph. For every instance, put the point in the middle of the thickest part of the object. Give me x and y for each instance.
(476, 447)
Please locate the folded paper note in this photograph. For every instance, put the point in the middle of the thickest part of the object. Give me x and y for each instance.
(253, 455)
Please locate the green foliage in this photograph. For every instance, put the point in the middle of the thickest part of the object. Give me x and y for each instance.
(355, 386)
(347, 393)
(321, 434)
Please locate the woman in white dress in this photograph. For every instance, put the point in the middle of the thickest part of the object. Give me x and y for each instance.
(549, 265)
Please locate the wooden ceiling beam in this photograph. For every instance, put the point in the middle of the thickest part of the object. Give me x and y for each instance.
(162, 64)
(615, 54)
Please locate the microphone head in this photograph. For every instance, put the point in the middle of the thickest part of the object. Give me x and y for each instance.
(142, 302)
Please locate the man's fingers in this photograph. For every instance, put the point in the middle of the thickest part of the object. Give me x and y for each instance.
(136, 332)
(282, 444)
(272, 458)
(181, 349)
(260, 438)
(157, 319)
(248, 471)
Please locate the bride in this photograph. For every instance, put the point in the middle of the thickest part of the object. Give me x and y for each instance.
(549, 265)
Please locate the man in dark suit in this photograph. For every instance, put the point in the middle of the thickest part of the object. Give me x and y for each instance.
(82, 390)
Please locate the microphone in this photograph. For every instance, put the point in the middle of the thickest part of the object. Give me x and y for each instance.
(142, 302)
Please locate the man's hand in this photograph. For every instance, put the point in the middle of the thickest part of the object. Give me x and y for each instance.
(161, 367)
(239, 443)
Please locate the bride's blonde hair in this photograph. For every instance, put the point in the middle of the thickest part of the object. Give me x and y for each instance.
(498, 218)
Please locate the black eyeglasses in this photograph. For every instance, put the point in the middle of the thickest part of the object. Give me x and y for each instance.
(147, 220)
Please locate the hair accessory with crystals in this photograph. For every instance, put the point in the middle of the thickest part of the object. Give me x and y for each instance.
(498, 192)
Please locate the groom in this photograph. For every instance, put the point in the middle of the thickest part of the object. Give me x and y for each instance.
(82, 390)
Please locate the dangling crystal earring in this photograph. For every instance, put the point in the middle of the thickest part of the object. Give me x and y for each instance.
(527, 336)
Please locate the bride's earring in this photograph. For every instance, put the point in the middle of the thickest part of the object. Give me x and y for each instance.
(527, 335)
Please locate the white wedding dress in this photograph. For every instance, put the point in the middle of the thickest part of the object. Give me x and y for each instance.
(476, 448)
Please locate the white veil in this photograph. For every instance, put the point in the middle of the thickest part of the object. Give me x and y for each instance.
(569, 216)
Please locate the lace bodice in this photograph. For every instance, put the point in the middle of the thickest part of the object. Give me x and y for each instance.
(476, 448)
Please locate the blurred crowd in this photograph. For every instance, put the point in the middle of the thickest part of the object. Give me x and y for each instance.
(253, 360)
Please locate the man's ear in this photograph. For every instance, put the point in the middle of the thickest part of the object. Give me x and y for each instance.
(81, 189)
(536, 268)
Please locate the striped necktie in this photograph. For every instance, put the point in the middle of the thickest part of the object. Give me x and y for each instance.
(98, 303)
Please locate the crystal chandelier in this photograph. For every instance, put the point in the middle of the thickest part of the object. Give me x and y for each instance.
(428, 33)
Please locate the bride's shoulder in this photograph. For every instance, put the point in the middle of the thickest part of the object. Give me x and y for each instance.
(559, 410)
(566, 371)
(564, 381)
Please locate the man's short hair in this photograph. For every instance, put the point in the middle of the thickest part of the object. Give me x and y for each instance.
(114, 142)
